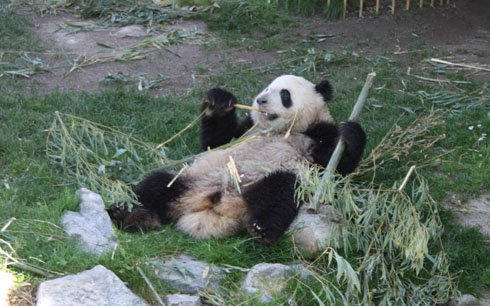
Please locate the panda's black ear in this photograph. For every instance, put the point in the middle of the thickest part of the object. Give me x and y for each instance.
(325, 89)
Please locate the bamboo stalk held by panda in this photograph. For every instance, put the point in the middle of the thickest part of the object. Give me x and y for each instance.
(248, 107)
(339, 149)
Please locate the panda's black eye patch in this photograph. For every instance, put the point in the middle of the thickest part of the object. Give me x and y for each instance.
(286, 98)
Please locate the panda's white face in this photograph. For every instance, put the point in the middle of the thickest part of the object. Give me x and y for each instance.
(293, 98)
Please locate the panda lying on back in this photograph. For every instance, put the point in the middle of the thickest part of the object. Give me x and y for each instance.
(204, 201)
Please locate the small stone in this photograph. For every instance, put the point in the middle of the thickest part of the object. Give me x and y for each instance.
(182, 300)
(188, 275)
(131, 31)
(92, 225)
(268, 279)
(97, 286)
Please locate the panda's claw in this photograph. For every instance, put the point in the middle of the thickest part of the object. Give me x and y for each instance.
(259, 232)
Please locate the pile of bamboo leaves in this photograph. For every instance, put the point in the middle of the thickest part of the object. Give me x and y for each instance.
(101, 158)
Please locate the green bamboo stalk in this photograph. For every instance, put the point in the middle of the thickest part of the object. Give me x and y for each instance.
(339, 149)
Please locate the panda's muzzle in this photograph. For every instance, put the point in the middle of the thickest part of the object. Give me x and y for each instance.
(261, 101)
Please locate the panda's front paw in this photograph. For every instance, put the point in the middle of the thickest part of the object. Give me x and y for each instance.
(118, 213)
(264, 234)
(352, 133)
(218, 102)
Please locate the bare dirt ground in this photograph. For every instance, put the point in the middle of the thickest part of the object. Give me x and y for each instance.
(461, 34)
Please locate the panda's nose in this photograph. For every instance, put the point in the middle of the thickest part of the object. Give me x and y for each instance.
(261, 101)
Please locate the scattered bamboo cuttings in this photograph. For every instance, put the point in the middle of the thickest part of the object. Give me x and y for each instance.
(339, 149)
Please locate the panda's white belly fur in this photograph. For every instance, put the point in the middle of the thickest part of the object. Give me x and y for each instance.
(201, 215)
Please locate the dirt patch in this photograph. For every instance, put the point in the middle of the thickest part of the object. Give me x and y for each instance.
(460, 34)
(182, 63)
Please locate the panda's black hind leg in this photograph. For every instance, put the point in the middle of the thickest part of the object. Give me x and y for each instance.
(155, 196)
(272, 206)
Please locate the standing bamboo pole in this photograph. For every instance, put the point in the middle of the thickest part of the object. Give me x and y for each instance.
(377, 7)
(328, 2)
(432, 3)
(421, 3)
(339, 149)
(361, 4)
(345, 8)
(393, 4)
(441, 2)
(408, 5)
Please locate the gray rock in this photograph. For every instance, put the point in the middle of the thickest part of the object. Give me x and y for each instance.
(469, 300)
(474, 213)
(97, 286)
(187, 275)
(313, 232)
(131, 31)
(268, 279)
(182, 300)
(91, 225)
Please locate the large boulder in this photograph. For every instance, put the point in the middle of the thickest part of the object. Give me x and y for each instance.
(97, 286)
(188, 275)
(91, 226)
(266, 279)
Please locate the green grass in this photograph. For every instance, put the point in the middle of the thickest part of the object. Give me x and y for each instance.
(38, 191)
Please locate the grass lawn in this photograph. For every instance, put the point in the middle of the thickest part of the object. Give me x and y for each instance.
(36, 192)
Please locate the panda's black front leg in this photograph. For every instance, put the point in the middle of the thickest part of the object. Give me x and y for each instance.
(219, 124)
(272, 206)
(326, 136)
(355, 142)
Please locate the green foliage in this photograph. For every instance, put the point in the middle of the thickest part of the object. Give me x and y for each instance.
(124, 12)
(248, 17)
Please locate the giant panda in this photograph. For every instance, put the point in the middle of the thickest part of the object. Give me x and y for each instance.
(293, 130)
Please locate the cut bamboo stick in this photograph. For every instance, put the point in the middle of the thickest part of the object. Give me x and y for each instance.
(432, 3)
(421, 3)
(328, 2)
(407, 7)
(393, 4)
(248, 107)
(345, 8)
(339, 149)
(377, 7)
(441, 2)
(361, 4)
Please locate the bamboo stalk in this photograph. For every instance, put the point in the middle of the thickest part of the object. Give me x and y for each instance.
(408, 5)
(377, 7)
(328, 2)
(459, 65)
(248, 107)
(432, 3)
(405, 180)
(147, 281)
(441, 2)
(393, 4)
(339, 149)
(361, 4)
(345, 8)
(421, 3)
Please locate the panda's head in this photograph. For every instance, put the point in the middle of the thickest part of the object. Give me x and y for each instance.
(292, 98)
